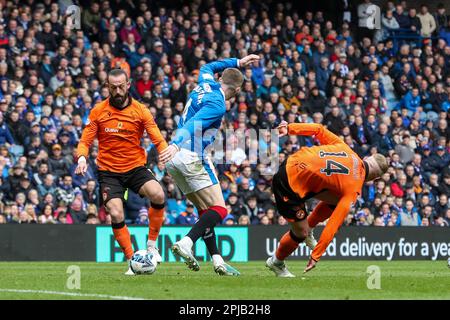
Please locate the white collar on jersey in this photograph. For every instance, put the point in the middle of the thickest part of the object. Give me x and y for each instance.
(223, 93)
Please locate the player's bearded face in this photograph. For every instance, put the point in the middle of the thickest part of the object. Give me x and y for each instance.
(118, 94)
(118, 99)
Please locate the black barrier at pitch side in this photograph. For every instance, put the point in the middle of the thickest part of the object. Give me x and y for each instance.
(82, 242)
(361, 243)
(46, 242)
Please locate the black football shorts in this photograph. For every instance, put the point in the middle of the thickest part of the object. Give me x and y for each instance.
(114, 184)
(289, 204)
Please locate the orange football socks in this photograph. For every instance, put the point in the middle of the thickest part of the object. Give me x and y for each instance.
(156, 217)
(286, 247)
(122, 236)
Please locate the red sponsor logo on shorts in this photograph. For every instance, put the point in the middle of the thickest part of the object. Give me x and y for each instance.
(105, 193)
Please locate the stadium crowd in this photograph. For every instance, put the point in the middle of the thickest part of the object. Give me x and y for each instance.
(379, 92)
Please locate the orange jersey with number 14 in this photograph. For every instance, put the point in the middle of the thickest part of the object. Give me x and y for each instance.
(333, 166)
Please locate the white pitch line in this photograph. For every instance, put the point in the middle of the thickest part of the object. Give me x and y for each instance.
(73, 294)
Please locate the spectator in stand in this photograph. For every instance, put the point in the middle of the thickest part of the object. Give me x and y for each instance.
(364, 15)
(441, 18)
(90, 193)
(415, 22)
(66, 191)
(6, 138)
(188, 217)
(442, 206)
(58, 165)
(401, 17)
(444, 32)
(409, 215)
(428, 24)
(388, 23)
(144, 84)
(252, 210)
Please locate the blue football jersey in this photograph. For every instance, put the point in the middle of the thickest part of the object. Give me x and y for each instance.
(202, 115)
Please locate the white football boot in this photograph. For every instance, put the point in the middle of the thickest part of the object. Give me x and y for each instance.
(129, 271)
(224, 269)
(181, 249)
(155, 252)
(279, 268)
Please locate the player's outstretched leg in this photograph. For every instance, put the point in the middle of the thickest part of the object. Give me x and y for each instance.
(288, 243)
(120, 229)
(122, 236)
(113, 192)
(156, 215)
(220, 266)
(154, 192)
(276, 263)
(183, 248)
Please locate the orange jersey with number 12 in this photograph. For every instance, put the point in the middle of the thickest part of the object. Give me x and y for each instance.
(333, 166)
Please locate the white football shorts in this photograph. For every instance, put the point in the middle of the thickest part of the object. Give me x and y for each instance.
(190, 172)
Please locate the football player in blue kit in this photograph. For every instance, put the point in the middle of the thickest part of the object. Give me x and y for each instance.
(191, 167)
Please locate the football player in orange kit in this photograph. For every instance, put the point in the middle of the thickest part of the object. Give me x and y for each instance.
(332, 173)
(119, 123)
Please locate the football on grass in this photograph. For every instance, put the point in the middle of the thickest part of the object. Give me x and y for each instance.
(143, 262)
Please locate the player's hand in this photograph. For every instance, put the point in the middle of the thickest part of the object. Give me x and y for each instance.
(82, 166)
(168, 153)
(248, 60)
(311, 265)
(283, 128)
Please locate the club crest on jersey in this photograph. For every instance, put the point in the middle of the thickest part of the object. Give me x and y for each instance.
(119, 125)
(300, 214)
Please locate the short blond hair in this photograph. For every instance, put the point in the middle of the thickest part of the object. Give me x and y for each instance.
(233, 78)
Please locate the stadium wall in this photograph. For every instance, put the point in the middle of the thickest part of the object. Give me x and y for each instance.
(237, 243)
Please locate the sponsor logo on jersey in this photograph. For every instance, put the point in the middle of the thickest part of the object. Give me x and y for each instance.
(115, 130)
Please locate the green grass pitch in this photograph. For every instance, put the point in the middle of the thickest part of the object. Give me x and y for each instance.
(330, 280)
